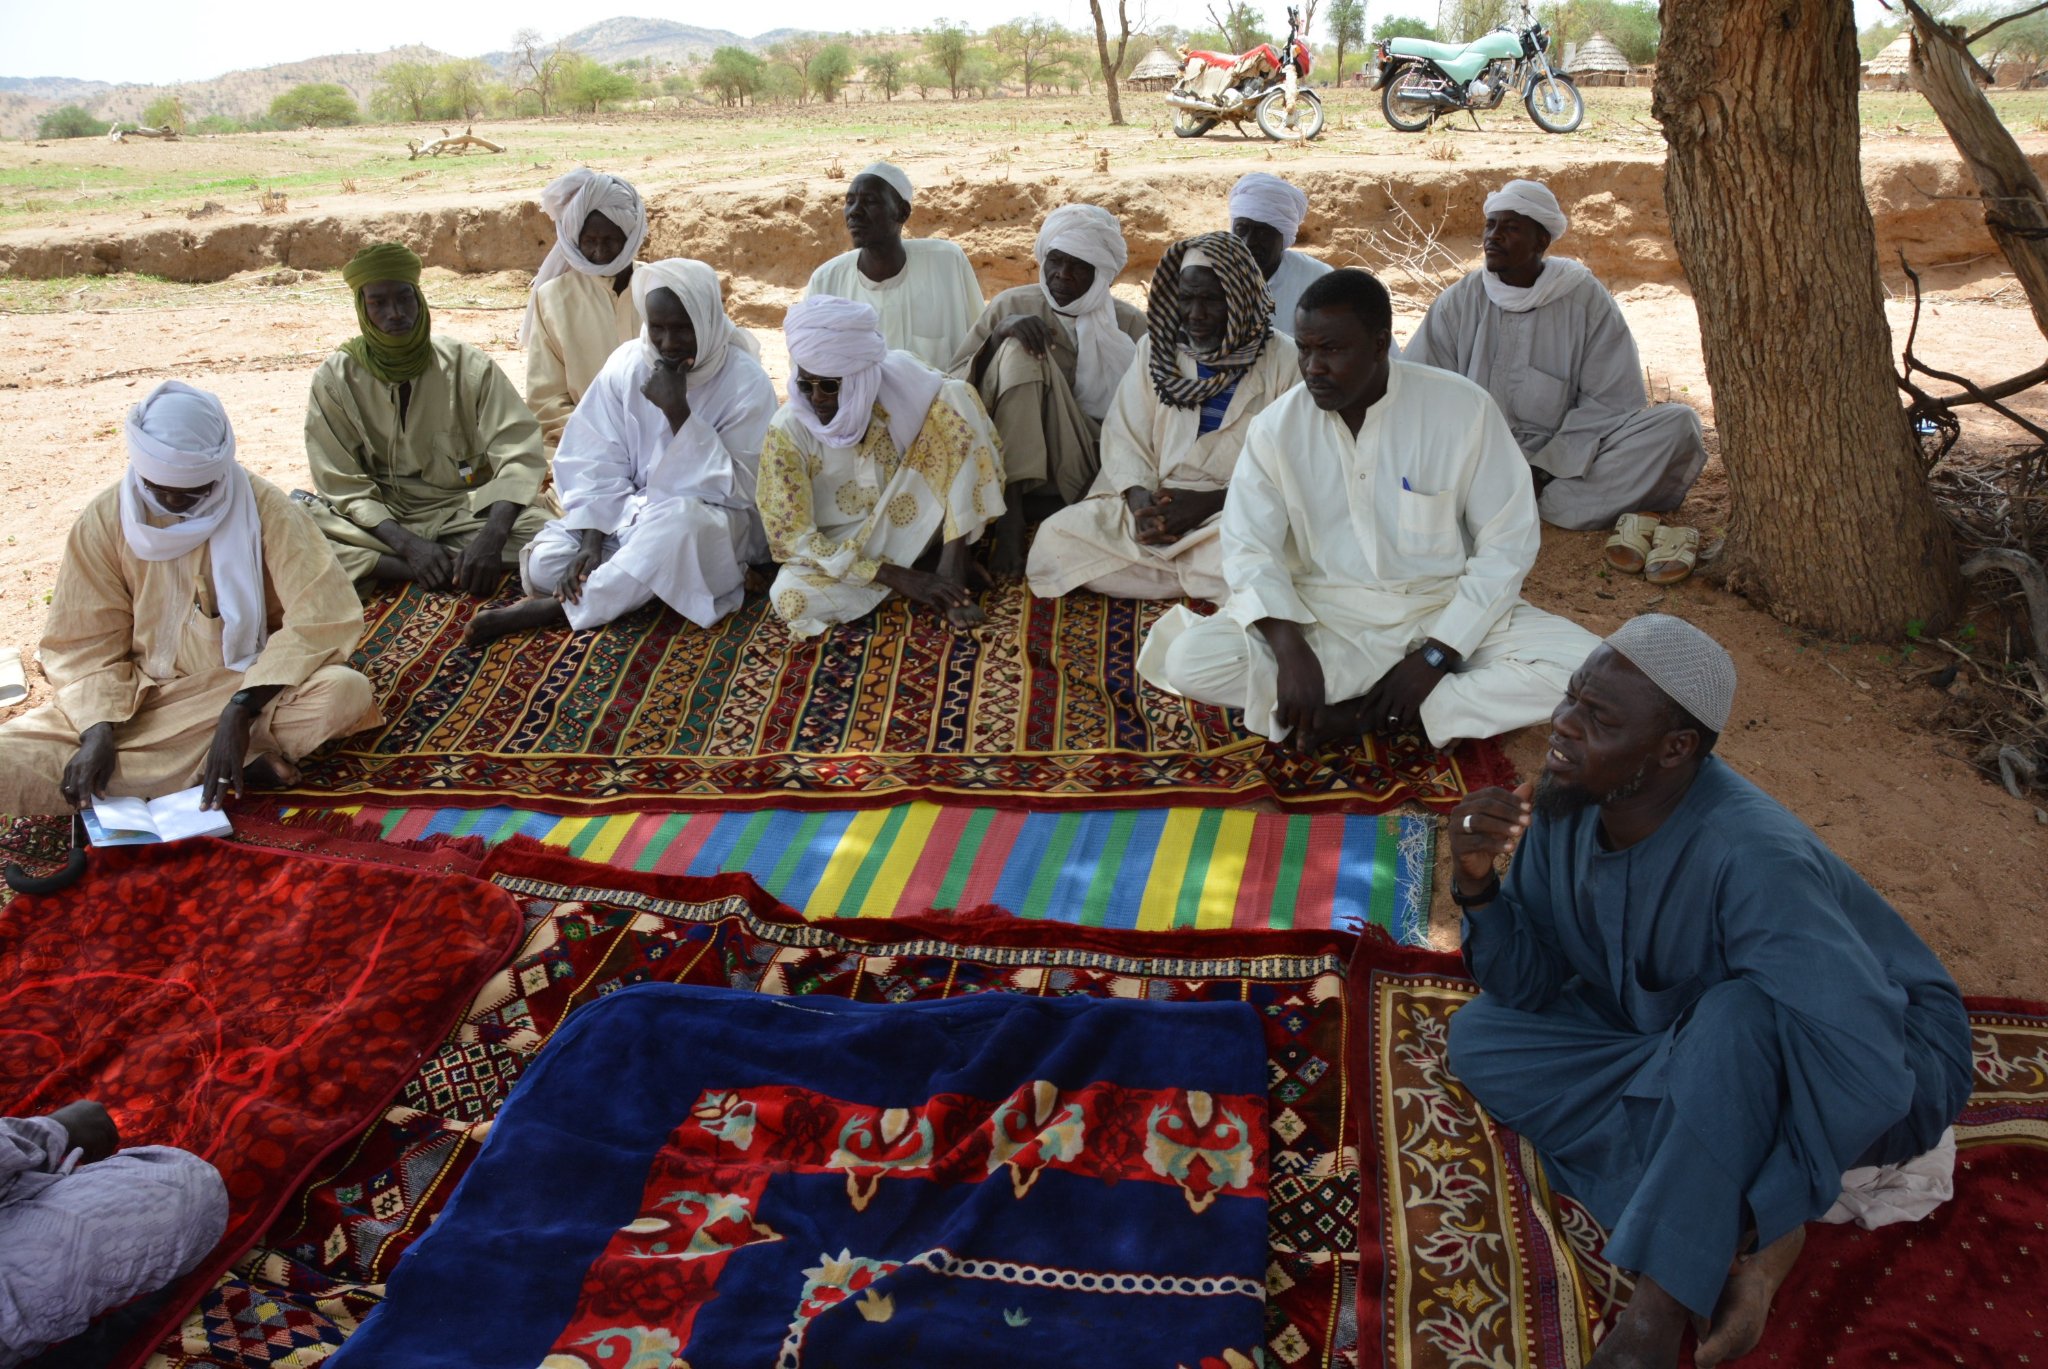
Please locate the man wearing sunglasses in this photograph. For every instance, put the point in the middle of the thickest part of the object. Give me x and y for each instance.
(876, 475)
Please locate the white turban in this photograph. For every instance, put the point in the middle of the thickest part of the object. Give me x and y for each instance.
(696, 286)
(1265, 198)
(889, 172)
(1688, 665)
(1532, 200)
(1105, 351)
(833, 337)
(179, 437)
(571, 199)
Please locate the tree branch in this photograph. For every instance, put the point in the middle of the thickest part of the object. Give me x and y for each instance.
(2004, 20)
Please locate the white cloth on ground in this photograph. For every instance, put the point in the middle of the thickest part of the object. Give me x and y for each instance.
(1265, 198)
(569, 200)
(1879, 1195)
(833, 337)
(927, 309)
(1532, 200)
(1421, 526)
(677, 507)
(74, 1245)
(1104, 351)
(180, 437)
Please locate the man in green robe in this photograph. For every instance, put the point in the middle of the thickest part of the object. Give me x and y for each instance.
(427, 465)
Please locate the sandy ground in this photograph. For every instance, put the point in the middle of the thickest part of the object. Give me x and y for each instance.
(1836, 732)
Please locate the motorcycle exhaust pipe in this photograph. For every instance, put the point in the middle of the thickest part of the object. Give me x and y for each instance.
(1190, 102)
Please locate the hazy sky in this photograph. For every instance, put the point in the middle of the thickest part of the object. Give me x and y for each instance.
(154, 42)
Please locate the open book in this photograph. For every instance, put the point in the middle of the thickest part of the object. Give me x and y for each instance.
(138, 822)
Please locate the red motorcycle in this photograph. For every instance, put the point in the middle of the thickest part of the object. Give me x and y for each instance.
(1261, 85)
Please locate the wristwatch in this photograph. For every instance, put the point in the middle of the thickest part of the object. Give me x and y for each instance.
(1436, 656)
(1480, 899)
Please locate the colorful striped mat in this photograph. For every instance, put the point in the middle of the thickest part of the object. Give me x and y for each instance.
(1151, 869)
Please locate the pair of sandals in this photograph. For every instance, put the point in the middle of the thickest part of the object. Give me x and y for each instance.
(1664, 552)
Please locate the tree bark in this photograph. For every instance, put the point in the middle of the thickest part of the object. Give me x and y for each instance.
(1109, 68)
(1834, 527)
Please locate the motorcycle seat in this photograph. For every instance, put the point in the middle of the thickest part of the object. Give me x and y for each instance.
(1417, 47)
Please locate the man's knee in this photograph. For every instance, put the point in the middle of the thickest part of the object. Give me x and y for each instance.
(1472, 1042)
(1208, 662)
(332, 702)
(1013, 367)
(1733, 1017)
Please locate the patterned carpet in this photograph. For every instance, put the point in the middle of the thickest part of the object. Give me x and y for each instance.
(1041, 708)
(1479, 1262)
(592, 929)
(1149, 870)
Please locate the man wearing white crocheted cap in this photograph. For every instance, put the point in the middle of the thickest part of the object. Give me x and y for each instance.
(1047, 359)
(923, 289)
(1710, 1027)
(199, 633)
(582, 307)
(876, 476)
(1547, 341)
(657, 471)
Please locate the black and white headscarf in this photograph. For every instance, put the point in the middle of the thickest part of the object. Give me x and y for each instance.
(1244, 337)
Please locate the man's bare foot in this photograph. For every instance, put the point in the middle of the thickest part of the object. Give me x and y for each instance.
(1006, 556)
(269, 771)
(1745, 1306)
(757, 579)
(1647, 1335)
(542, 611)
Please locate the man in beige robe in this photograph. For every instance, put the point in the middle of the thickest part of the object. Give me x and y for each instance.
(581, 308)
(1148, 527)
(426, 463)
(1047, 359)
(199, 632)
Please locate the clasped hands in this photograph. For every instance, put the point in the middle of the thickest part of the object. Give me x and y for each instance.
(1392, 706)
(1161, 517)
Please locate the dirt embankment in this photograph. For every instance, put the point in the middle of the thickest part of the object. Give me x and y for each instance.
(768, 237)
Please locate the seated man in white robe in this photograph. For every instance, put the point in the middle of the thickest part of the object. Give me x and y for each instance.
(582, 308)
(1210, 363)
(876, 463)
(1267, 212)
(922, 289)
(199, 632)
(657, 471)
(1047, 359)
(1547, 341)
(1378, 529)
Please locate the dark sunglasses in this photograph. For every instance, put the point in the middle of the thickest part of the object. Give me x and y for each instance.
(827, 386)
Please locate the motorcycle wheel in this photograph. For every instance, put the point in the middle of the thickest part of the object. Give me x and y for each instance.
(1188, 124)
(1276, 123)
(1405, 113)
(1555, 104)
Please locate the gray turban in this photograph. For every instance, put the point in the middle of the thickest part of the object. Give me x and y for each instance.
(1684, 662)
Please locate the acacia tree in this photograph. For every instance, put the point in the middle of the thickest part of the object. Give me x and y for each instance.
(462, 83)
(1833, 526)
(1035, 47)
(1347, 29)
(540, 70)
(886, 71)
(1113, 66)
(407, 91)
(945, 43)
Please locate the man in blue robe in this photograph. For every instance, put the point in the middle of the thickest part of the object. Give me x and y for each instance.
(1699, 1015)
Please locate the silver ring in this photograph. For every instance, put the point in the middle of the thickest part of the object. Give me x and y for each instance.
(1468, 822)
(1393, 717)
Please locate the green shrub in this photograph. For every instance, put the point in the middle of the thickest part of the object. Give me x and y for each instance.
(70, 121)
(320, 104)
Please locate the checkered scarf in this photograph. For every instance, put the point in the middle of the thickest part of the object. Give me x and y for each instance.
(1251, 320)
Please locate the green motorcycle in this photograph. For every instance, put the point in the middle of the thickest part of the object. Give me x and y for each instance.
(1419, 82)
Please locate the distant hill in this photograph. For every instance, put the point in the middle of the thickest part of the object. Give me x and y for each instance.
(59, 88)
(238, 94)
(626, 38)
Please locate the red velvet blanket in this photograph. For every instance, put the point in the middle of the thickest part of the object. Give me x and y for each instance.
(1469, 1257)
(256, 1008)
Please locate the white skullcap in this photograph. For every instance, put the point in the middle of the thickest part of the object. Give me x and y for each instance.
(829, 336)
(890, 173)
(696, 286)
(180, 437)
(1267, 199)
(1196, 256)
(571, 199)
(1688, 665)
(1103, 352)
(1532, 200)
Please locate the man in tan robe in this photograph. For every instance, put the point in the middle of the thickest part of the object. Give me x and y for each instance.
(427, 465)
(1148, 527)
(581, 308)
(200, 625)
(1047, 359)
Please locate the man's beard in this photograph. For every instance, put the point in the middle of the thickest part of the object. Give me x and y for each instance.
(1557, 799)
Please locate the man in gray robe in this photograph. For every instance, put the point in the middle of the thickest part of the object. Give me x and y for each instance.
(1698, 1014)
(85, 1226)
(1550, 345)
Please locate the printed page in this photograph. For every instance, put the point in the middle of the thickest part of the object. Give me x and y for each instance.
(123, 820)
(179, 815)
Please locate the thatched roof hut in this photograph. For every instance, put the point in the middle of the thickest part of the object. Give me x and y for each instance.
(1598, 62)
(1891, 69)
(1158, 71)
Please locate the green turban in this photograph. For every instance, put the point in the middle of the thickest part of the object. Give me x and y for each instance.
(393, 360)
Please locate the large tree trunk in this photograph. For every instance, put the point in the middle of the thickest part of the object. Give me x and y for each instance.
(1834, 527)
(1109, 67)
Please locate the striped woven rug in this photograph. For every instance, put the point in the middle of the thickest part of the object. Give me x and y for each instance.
(1151, 869)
